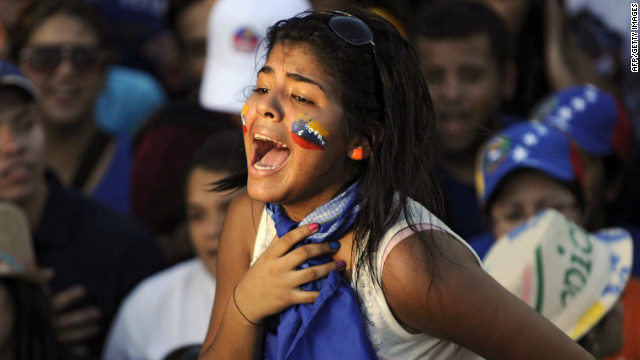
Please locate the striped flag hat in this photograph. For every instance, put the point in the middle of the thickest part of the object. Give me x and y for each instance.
(570, 276)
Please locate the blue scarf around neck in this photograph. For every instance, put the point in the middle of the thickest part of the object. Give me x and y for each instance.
(331, 327)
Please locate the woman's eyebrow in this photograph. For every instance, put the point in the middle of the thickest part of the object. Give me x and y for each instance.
(266, 70)
(294, 76)
(301, 78)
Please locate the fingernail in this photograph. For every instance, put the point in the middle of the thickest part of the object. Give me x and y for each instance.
(335, 245)
(313, 226)
(341, 264)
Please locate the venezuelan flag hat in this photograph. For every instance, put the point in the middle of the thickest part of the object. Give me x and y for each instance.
(570, 276)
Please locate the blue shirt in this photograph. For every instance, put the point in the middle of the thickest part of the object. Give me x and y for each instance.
(462, 211)
(114, 189)
(481, 243)
(634, 231)
(128, 99)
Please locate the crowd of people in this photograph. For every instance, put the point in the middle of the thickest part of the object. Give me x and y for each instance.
(318, 179)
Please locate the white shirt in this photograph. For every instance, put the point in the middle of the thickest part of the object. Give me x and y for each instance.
(166, 311)
(390, 340)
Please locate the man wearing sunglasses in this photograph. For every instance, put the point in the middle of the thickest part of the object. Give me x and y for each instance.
(60, 47)
(97, 255)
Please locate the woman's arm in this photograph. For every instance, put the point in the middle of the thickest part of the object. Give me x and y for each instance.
(234, 258)
(268, 287)
(448, 295)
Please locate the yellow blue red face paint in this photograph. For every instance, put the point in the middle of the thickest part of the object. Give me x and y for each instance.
(245, 108)
(308, 133)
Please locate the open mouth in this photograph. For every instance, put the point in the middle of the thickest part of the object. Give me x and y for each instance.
(268, 154)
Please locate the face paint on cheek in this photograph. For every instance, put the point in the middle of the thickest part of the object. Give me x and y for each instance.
(245, 108)
(308, 133)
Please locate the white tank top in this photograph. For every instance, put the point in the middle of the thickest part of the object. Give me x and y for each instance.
(390, 340)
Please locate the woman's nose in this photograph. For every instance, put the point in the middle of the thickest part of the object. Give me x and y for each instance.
(269, 106)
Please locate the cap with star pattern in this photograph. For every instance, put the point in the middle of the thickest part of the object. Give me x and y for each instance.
(591, 116)
(531, 145)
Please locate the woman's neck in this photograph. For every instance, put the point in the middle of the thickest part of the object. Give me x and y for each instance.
(66, 146)
(299, 210)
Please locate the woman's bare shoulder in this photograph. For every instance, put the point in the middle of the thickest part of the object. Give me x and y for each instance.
(243, 219)
(244, 205)
(424, 253)
(422, 273)
(434, 285)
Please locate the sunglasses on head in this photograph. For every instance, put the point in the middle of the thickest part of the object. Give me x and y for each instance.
(351, 29)
(47, 58)
(355, 32)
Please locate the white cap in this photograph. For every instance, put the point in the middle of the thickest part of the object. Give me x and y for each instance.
(234, 33)
(570, 276)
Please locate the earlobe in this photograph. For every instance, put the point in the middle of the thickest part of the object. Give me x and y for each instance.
(356, 154)
(359, 151)
(360, 146)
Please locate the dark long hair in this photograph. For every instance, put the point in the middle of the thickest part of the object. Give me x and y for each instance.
(32, 329)
(386, 100)
(37, 12)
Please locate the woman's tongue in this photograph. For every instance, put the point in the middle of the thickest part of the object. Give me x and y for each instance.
(273, 159)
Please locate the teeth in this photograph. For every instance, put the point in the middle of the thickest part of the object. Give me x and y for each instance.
(262, 167)
(266, 138)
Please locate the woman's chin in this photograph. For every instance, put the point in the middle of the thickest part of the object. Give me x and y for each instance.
(260, 189)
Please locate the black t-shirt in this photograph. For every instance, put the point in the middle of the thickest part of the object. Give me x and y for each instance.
(87, 243)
